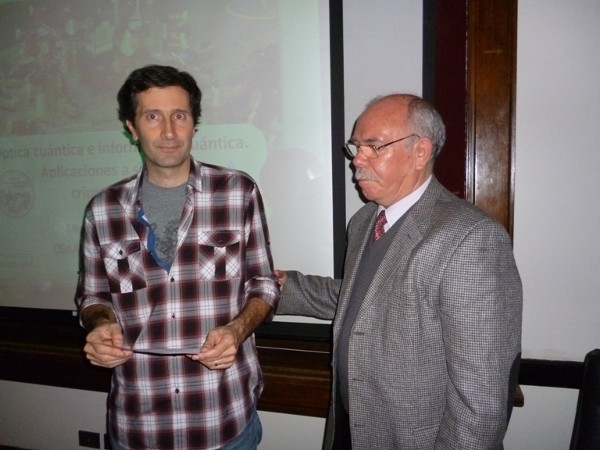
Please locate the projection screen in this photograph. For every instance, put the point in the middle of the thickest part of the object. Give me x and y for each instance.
(263, 67)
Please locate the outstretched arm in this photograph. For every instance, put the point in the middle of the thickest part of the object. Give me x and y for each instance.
(307, 295)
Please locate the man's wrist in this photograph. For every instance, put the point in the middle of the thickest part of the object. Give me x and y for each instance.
(96, 315)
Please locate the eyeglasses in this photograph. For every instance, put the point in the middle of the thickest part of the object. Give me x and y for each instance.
(369, 150)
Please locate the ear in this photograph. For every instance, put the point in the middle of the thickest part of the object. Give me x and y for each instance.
(423, 152)
(132, 130)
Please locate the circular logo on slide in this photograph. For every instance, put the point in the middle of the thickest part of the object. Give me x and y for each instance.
(16, 193)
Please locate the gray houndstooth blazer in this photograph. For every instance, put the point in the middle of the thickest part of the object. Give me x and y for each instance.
(437, 336)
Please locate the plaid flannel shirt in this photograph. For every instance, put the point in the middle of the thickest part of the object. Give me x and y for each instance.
(222, 260)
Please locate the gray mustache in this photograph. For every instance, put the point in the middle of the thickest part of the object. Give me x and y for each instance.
(362, 174)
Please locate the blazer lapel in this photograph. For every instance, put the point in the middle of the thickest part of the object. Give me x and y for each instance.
(358, 235)
(408, 236)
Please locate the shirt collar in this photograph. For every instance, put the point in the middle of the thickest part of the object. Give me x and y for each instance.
(398, 209)
(194, 180)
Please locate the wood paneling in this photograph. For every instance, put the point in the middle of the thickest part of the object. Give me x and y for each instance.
(491, 91)
(46, 347)
(473, 56)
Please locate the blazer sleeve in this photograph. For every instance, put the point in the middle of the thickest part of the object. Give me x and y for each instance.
(309, 295)
(480, 312)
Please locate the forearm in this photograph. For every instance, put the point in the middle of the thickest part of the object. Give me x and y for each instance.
(254, 313)
(93, 297)
(95, 315)
(309, 295)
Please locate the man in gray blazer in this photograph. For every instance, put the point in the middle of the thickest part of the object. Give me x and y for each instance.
(427, 318)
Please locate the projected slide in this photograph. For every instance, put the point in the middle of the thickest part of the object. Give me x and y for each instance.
(263, 67)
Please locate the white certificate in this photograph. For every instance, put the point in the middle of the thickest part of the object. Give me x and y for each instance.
(167, 350)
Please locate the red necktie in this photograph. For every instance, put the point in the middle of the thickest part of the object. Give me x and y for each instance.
(379, 223)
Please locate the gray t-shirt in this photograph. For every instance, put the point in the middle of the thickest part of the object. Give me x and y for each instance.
(162, 209)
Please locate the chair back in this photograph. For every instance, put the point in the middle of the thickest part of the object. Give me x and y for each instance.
(586, 429)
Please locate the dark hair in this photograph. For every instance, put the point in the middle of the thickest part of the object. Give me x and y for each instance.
(151, 76)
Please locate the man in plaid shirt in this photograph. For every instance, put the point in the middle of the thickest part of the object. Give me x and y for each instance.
(176, 276)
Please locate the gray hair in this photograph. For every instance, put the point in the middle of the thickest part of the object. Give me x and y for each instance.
(423, 119)
(427, 122)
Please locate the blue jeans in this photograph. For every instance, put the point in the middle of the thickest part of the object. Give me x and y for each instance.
(248, 439)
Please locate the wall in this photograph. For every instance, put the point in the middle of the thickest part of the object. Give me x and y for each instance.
(383, 53)
(48, 418)
(556, 239)
(556, 207)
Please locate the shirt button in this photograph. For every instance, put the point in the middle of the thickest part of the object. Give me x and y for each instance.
(177, 390)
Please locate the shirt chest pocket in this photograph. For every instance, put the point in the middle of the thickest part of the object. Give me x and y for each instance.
(123, 261)
(220, 254)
